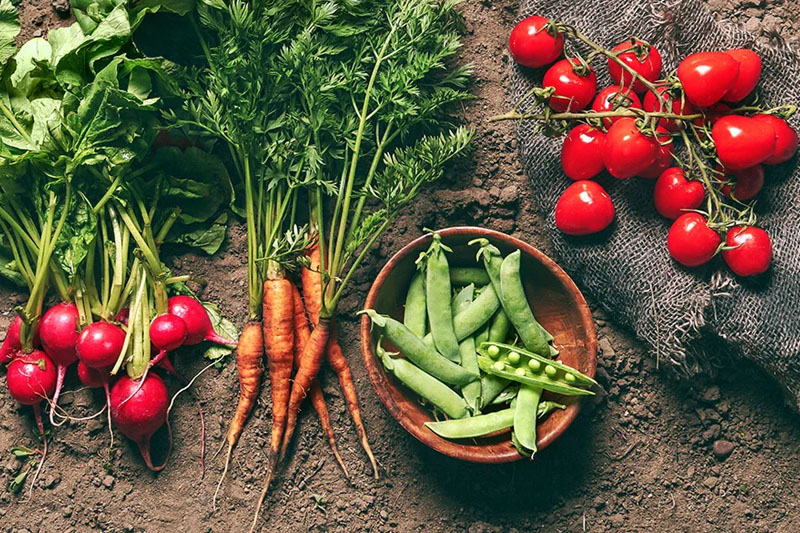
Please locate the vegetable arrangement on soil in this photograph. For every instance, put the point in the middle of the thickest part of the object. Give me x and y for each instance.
(703, 133)
(472, 349)
(87, 199)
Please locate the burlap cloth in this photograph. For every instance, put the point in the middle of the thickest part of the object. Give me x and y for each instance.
(694, 320)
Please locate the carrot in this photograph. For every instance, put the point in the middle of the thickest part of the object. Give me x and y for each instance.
(339, 363)
(302, 334)
(312, 284)
(249, 355)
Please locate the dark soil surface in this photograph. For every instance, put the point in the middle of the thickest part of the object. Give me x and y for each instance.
(647, 454)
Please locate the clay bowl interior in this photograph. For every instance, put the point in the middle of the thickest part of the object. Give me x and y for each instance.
(557, 304)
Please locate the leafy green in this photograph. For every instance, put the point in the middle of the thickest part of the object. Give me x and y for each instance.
(207, 237)
(9, 29)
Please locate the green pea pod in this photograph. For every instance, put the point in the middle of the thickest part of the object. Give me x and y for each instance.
(499, 327)
(430, 388)
(469, 357)
(492, 386)
(516, 305)
(475, 426)
(525, 418)
(467, 275)
(545, 408)
(506, 395)
(415, 314)
(501, 352)
(420, 354)
(527, 377)
(478, 313)
(482, 335)
(437, 299)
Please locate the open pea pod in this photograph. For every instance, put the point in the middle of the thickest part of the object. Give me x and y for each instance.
(521, 373)
(500, 352)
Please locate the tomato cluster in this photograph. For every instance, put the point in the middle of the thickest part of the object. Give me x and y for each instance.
(630, 129)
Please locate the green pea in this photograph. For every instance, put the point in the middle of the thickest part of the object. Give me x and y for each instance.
(520, 372)
(499, 366)
(551, 371)
(569, 378)
(533, 364)
(493, 351)
(437, 298)
(513, 358)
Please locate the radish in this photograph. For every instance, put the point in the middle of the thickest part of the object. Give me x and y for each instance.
(59, 333)
(100, 344)
(31, 378)
(92, 377)
(198, 325)
(12, 343)
(138, 410)
(168, 332)
(123, 316)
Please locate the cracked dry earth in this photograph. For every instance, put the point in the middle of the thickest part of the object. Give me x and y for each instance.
(647, 454)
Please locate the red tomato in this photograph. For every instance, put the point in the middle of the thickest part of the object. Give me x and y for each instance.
(612, 98)
(712, 114)
(743, 142)
(651, 104)
(584, 208)
(707, 76)
(691, 242)
(785, 139)
(572, 92)
(747, 183)
(674, 194)
(647, 65)
(751, 250)
(533, 46)
(628, 151)
(664, 158)
(582, 152)
(749, 72)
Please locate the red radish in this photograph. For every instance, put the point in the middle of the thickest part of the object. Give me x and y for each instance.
(198, 325)
(123, 315)
(100, 344)
(58, 330)
(138, 410)
(168, 332)
(12, 344)
(93, 378)
(785, 139)
(31, 378)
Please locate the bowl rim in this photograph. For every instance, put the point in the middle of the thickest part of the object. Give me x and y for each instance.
(376, 373)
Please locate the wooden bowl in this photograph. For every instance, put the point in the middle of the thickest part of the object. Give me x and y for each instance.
(557, 303)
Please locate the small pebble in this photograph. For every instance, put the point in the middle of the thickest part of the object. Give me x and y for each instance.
(711, 394)
(108, 482)
(710, 482)
(605, 347)
(722, 449)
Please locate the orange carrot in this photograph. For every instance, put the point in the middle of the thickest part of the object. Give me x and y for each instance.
(339, 363)
(302, 334)
(249, 355)
(312, 284)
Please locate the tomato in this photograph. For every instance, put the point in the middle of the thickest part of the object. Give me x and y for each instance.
(751, 250)
(651, 104)
(747, 183)
(628, 151)
(691, 242)
(712, 114)
(674, 194)
(584, 208)
(573, 92)
(647, 64)
(785, 139)
(749, 73)
(533, 46)
(707, 76)
(742, 142)
(664, 158)
(612, 98)
(582, 152)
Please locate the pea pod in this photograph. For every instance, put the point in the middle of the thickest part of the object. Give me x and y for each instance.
(492, 386)
(482, 335)
(516, 306)
(469, 357)
(428, 387)
(525, 417)
(506, 395)
(419, 353)
(467, 275)
(415, 314)
(478, 313)
(522, 374)
(475, 426)
(437, 299)
(500, 352)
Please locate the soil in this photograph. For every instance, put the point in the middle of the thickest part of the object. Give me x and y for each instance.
(647, 454)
